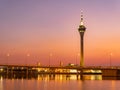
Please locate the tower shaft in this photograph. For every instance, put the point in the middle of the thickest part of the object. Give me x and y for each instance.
(82, 49)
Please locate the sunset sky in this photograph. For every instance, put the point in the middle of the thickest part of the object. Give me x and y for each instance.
(34, 31)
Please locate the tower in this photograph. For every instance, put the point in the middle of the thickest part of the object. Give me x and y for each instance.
(81, 30)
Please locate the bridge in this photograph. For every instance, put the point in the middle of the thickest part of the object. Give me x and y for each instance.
(107, 71)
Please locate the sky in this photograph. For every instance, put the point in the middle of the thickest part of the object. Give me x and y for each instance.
(46, 31)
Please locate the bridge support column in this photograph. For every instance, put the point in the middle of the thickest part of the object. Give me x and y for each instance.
(77, 75)
(7, 70)
(12, 71)
(27, 72)
(81, 74)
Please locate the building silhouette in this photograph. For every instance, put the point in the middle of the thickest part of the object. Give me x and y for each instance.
(81, 30)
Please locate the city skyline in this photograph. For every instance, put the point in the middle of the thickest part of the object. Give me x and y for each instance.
(33, 30)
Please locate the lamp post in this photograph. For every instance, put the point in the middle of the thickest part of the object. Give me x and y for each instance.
(28, 55)
(110, 59)
(77, 56)
(50, 55)
(8, 55)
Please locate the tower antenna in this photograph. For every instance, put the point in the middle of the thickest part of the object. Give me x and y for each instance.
(81, 21)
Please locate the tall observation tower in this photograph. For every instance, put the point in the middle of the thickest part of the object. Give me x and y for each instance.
(82, 30)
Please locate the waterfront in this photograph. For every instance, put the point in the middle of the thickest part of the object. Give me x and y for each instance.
(59, 45)
(60, 82)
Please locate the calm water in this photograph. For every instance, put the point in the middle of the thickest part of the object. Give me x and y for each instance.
(60, 82)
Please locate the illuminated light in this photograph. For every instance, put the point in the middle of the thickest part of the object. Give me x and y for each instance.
(59, 70)
(96, 77)
(92, 71)
(113, 84)
(82, 31)
(93, 77)
(45, 70)
(71, 64)
(1, 83)
(1, 78)
(33, 68)
(22, 80)
(81, 22)
(1, 69)
(39, 64)
(8, 55)
(12, 67)
(28, 54)
(39, 69)
(96, 71)
(73, 77)
(61, 77)
(73, 71)
(22, 68)
(38, 77)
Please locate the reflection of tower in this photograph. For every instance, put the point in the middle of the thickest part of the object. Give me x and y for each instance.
(81, 30)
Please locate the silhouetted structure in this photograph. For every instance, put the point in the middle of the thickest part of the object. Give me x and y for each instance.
(81, 30)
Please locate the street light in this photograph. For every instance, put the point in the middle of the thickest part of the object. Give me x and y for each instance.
(110, 59)
(8, 55)
(50, 59)
(77, 56)
(28, 55)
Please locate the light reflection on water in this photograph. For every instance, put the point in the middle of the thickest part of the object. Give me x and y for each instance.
(59, 82)
(1, 83)
(59, 77)
(68, 77)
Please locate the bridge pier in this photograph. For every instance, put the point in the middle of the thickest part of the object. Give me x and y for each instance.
(12, 71)
(27, 71)
(81, 74)
(7, 70)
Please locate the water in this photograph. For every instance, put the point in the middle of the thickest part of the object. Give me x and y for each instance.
(60, 82)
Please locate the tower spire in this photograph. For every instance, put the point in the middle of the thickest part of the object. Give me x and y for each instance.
(81, 21)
